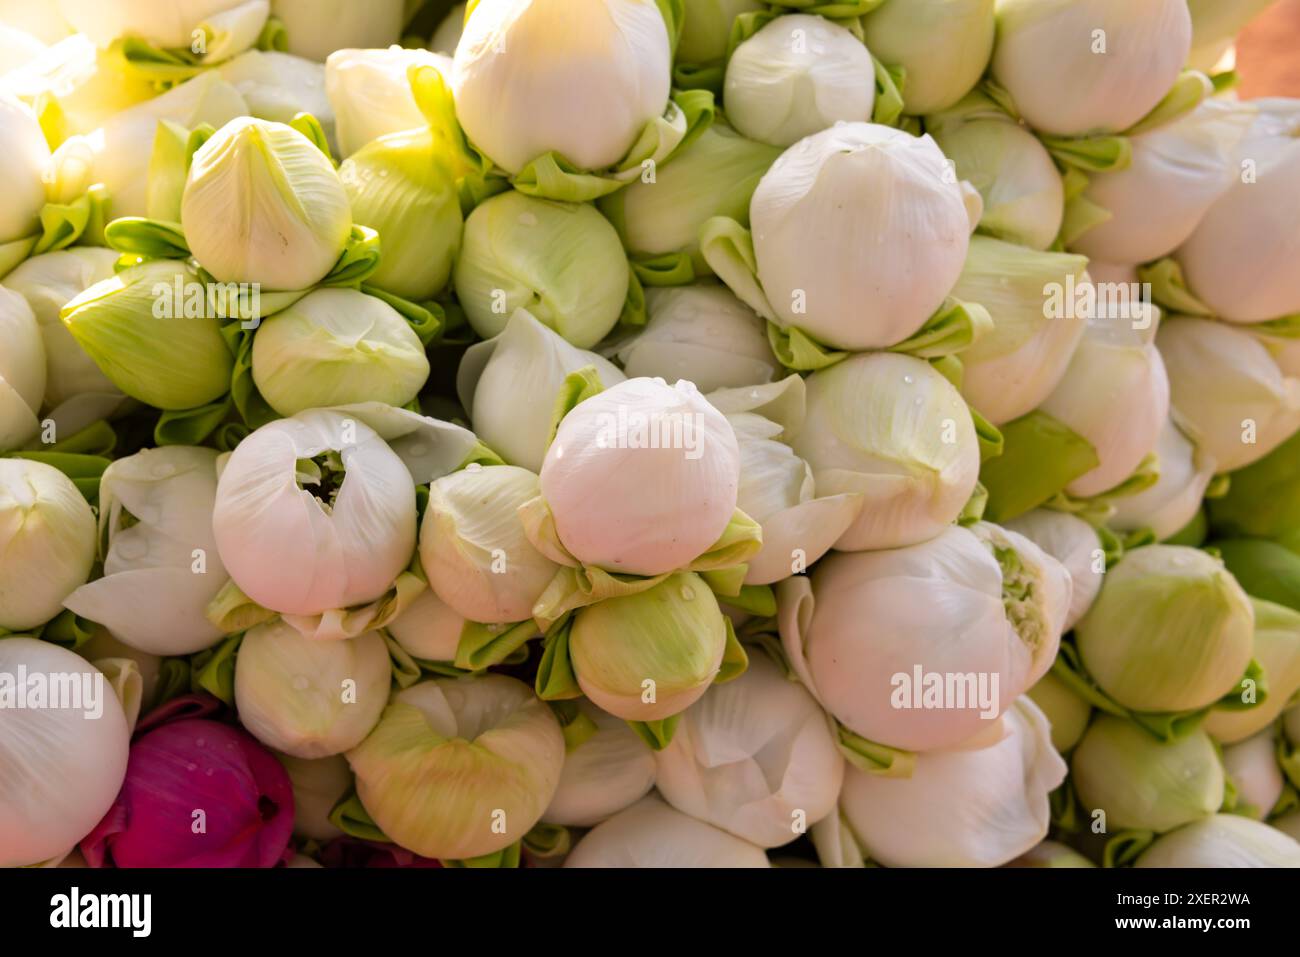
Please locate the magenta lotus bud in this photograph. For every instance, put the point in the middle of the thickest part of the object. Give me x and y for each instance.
(197, 794)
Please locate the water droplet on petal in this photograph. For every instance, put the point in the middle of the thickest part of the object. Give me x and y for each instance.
(474, 467)
(688, 593)
(908, 380)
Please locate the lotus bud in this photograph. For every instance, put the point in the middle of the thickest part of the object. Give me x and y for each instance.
(707, 27)
(1175, 498)
(650, 655)
(1253, 769)
(591, 117)
(334, 347)
(1277, 649)
(1075, 544)
(1227, 391)
(174, 26)
(1009, 372)
(118, 152)
(494, 750)
(400, 186)
(161, 565)
(713, 175)
(371, 94)
(1177, 173)
(1024, 198)
(702, 334)
(307, 698)
(1261, 500)
(47, 542)
(1051, 854)
(609, 771)
(318, 785)
(561, 261)
(103, 645)
(1115, 394)
(1067, 713)
(428, 629)
(149, 330)
(1223, 840)
(871, 635)
(1142, 782)
(22, 371)
(23, 160)
(1234, 260)
(756, 757)
(473, 547)
(942, 45)
(893, 429)
(262, 204)
(1097, 66)
(797, 76)
(48, 282)
(63, 767)
(278, 86)
(1215, 24)
(447, 36)
(313, 513)
(189, 772)
(316, 29)
(860, 232)
(642, 479)
(966, 807)
(500, 381)
(652, 834)
(1171, 631)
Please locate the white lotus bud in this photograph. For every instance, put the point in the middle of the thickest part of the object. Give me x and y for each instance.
(652, 834)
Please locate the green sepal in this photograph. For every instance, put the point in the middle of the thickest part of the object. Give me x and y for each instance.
(973, 511)
(548, 840)
(82, 220)
(174, 147)
(1097, 509)
(1169, 289)
(69, 630)
(165, 68)
(831, 9)
(576, 388)
(871, 757)
(1225, 81)
(504, 859)
(351, 817)
(1063, 805)
(425, 319)
(890, 81)
(274, 38)
(95, 439)
(577, 727)
(552, 176)
(657, 734)
(310, 127)
(556, 680)
(1126, 847)
(233, 612)
(797, 350)
(1288, 758)
(359, 259)
(1188, 92)
(1040, 457)
(174, 677)
(482, 646)
(1093, 154)
(85, 471)
(735, 662)
(991, 441)
(147, 238)
(192, 426)
(213, 670)
(475, 178)
(1112, 546)
(406, 671)
(950, 368)
(700, 76)
(728, 249)
(669, 269)
(482, 455)
(634, 314)
(756, 600)
(953, 327)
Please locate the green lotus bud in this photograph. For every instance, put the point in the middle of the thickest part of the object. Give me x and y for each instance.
(47, 542)
(1142, 782)
(561, 261)
(1264, 498)
(942, 45)
(336, 347)
(1067, 713)
(400, 186)
(1265, 569)
(309, 698)
(150, 332)
(714, 175)
(1277, 649)
(262, 204)
(1171, 630)
(1224, 840)
(473, 547)
(649, 656)
(460, 768)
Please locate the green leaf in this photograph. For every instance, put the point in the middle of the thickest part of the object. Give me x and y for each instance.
(482, 646)
(734, 660)
(214, 669)
(350, 817)
(149, 238)
(556, 680)
(657, 734)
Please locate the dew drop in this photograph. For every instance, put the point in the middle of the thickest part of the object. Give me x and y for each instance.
(474, 467)
(908, 380)
(688, 593)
